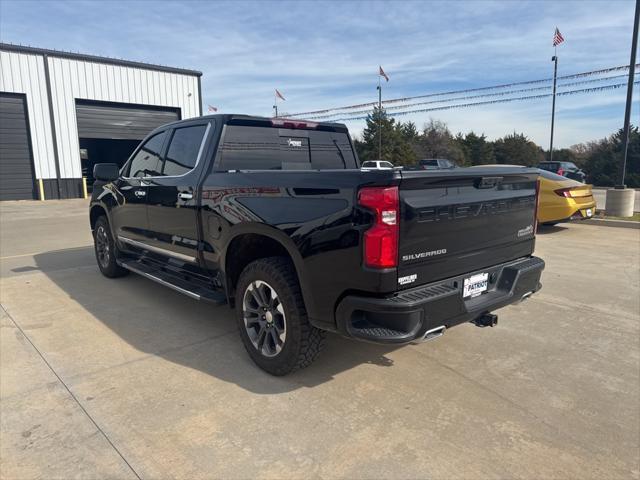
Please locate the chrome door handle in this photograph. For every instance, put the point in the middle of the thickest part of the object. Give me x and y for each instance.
(139, 193)
(185, 196)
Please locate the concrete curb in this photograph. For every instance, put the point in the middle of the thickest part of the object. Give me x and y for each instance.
(601, 222)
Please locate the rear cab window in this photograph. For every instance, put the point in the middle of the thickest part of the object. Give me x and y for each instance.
(184, 146)
(248, 147)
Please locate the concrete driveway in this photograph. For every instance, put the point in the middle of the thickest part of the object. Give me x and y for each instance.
(126, 379)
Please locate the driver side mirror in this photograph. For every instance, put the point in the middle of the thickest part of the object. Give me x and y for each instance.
(107, 172)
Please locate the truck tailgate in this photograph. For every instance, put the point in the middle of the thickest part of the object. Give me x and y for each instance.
(463, 220)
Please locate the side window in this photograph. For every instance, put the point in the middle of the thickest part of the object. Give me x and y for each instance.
(183, 150)
(146, 162)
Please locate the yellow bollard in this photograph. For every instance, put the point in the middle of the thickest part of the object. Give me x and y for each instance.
(41, 188)
(84, 187)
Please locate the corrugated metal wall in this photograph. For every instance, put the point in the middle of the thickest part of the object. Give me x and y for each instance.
(73, 79)
(24, 73)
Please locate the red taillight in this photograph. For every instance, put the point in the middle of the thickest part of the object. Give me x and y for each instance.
(564, 192)
(381, 240)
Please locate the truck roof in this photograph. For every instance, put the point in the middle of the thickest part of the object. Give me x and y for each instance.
(269, 121)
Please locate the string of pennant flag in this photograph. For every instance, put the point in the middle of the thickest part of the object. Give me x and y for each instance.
(591, 73)
(484, 95)
(491, 102)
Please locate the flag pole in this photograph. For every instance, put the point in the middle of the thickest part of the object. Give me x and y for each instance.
(554, 59)
(275, 104)
(627, 111)
(379, 118)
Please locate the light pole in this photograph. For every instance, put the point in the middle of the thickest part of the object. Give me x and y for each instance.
(554, 59)
(627, 111)
(379, 119)
(620, 200)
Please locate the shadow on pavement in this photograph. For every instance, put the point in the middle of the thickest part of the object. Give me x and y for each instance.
(158, 321)
(547, 229)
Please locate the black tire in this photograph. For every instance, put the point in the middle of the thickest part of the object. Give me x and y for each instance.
(106, 250)
(302, 341)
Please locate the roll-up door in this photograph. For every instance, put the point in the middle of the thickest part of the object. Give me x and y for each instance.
(120, 121)
(16, 160)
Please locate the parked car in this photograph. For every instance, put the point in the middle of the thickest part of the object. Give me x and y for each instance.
(251, 212)
(376, 165)
(436, 164)
(565, 169)
(563, 199)
(560, 199)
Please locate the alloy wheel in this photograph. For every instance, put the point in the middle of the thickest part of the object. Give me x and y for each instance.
(264, 318)
(102, 246)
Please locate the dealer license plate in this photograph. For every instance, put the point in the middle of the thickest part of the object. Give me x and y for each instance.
(475, 285)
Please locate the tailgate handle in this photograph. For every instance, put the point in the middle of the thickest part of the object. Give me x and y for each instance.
(487, 182)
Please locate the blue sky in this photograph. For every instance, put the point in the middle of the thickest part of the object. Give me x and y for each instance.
(325, 54)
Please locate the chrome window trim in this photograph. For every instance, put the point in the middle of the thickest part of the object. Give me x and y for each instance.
(200, 150)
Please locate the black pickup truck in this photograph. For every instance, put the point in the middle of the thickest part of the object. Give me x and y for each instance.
(275, 218)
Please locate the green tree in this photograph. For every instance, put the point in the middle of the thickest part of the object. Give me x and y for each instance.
(517, 149)
(477, 150)
(395, 148)
(409, 131)
(603, 162)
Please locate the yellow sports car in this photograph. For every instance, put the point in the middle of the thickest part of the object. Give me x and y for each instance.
(563, 199)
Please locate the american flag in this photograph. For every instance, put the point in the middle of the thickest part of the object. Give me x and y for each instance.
(557, 38)
(212, 108)
(382, 74)
(279, 95)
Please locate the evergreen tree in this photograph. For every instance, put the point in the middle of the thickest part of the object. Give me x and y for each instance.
(604, 158)
(477, 150)
(395, 148)
(517, 149)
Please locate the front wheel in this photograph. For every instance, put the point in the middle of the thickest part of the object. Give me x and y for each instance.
(272, 318)
(106, 250)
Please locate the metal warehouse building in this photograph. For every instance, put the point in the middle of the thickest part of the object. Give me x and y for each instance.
(62, 112)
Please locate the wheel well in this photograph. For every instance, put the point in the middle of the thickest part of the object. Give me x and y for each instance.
(96, 212)
(245, 249)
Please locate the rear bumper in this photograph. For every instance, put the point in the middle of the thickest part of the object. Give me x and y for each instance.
(579, 214)
(408, 315)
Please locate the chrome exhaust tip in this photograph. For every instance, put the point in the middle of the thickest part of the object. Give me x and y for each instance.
(432, 334)
(525, 296)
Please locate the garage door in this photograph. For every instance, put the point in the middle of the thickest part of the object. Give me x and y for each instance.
(120, 121)
(16, 162)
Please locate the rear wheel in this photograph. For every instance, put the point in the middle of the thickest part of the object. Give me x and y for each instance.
(272, 318)
(106, 250)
